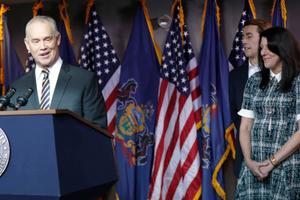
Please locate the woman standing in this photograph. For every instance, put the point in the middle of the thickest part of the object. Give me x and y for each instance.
(270, 126)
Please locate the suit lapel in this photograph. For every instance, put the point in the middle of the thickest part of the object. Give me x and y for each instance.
(61, 85)
(245, 73)
(33, 102)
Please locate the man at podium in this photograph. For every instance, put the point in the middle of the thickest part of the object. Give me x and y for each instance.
(53, 83)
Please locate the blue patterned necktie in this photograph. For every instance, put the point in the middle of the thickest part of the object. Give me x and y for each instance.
(45, 98)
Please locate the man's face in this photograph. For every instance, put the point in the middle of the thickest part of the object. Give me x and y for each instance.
(42, 42)
(250, 41)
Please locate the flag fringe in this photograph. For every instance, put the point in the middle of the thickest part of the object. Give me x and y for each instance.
(181, 18)
(220, 191)
(88, 9)
(199, 125)
(3, 10)
(230, 147)
(218, 16)
(198, 194)
(150, 28)
(173, 7)
(252, 8)
(203, 17)
(36, 7)
(181, 15)
(283, 12)
(229, 135)
(65, 17)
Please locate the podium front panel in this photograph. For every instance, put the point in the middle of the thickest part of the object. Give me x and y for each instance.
(87, 152)
(55, 156)
(32, 169)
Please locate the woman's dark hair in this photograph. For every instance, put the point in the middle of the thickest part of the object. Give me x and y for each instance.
(282, 43)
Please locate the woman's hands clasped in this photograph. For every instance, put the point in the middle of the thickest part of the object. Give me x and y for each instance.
(260, 170)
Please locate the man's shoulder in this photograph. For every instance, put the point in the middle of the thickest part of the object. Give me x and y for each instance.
(240, 69)
(76, 70)
(28, 76)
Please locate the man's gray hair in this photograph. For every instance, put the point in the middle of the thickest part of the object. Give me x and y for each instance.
(43, 19)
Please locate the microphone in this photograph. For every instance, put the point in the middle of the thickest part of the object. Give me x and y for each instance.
(5, 100)
(22, 100)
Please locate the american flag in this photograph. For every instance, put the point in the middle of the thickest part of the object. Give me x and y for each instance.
(176, 166)
(97, 54)
(193, 73)
(237, 56)
(30, 63)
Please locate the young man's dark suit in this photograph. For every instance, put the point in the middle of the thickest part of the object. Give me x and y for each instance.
(76, 89)
(237, 81)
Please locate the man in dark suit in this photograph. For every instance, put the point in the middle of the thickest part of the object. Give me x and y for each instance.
(57, 85)
(239, 76)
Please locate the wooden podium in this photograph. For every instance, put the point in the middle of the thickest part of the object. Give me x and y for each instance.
(55, 155)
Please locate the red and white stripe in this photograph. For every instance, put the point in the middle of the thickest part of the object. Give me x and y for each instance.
(110, 93)
(193, 73)
(176, 166)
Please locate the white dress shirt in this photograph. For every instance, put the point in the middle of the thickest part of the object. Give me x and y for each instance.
(252, 69)
(53, 76)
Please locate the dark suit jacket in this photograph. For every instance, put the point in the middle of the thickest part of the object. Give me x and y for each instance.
(76, 89)
(237, 81)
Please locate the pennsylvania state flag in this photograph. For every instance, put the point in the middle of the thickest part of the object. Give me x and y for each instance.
(12, 67)
(65, 49)
(136, 106)
(217, 131)
(279, 13)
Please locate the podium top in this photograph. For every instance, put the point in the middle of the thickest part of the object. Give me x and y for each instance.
(54, 112)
